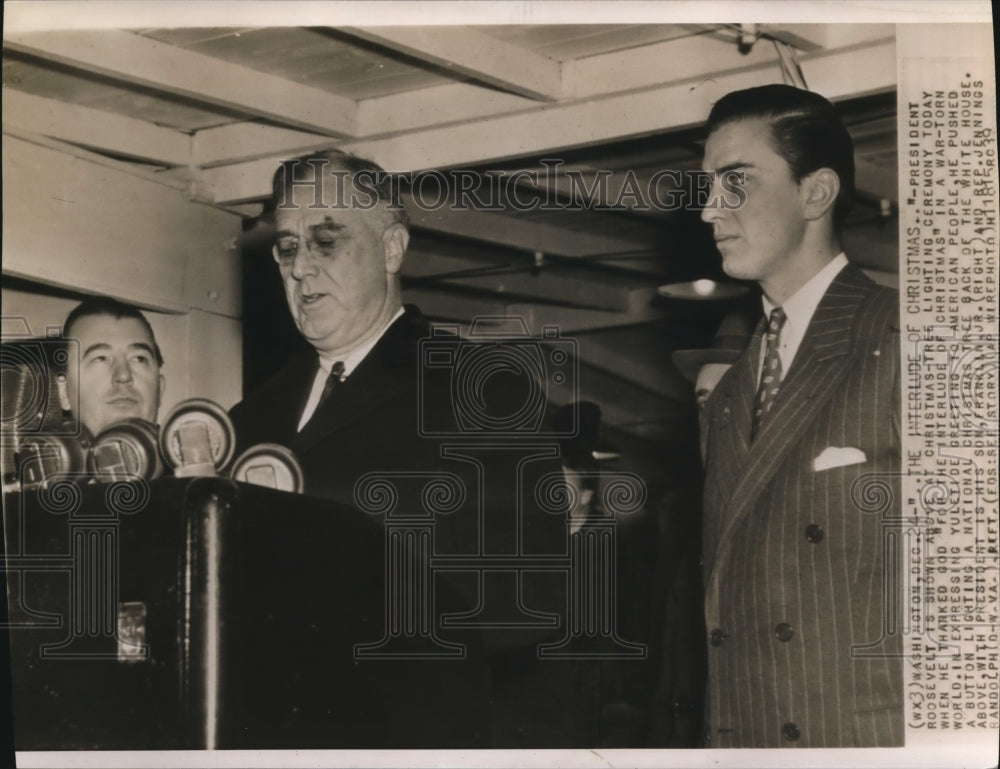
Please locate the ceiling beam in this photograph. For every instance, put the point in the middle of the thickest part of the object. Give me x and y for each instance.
(552, 283)
(384, 115)
(641, 192)
(169, 69)
(659, 109)
(805, 37)
(238, 142)
(573, 320)
(458, 103)
(442, 303)
(452, 103)
(698, 60)
(473, 54)
(695, 59)
(95, 129)
(452, 306)
(692, 60)
(510, 233)
(829, 36)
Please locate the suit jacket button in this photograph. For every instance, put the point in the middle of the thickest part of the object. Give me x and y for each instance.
(715, 637)
(783, 631)
(814, 533)
(790, 732)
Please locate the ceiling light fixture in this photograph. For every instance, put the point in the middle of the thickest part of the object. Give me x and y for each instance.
(702, 290)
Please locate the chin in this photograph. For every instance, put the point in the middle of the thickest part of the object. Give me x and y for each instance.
(738, 268)
(732, 270)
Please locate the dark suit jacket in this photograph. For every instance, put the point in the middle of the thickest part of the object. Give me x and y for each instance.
(370, 426)
(795, 555)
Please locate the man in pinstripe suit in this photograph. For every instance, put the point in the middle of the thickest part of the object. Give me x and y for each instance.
(803, 649)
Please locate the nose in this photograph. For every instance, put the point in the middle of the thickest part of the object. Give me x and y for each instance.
(121, 372)
(711, 212)
(303, 263)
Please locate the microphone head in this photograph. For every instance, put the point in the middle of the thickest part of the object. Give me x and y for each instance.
(43, 458)
(126, 450)
(198, 438)
(270, 465)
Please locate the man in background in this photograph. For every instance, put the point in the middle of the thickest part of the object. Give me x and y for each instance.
(705, 367)
(118, 376)
(793, 569)
(677, 702)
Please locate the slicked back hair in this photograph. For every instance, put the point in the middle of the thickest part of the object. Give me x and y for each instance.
(806, 130)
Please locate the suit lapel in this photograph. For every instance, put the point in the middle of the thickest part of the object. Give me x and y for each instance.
(731, 405)
(385, 371)
(747, 389)
(819, 367)
(284, 412)
(728, 415)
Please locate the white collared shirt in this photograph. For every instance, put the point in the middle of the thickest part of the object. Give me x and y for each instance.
(351, 361)
(799, 309)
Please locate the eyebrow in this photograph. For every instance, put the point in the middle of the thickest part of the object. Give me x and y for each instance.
(98, 346)
(95, 347)
(734, 166)
(326, 224)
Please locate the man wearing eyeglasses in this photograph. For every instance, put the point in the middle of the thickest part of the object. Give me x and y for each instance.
(353, 409)
(339, 252)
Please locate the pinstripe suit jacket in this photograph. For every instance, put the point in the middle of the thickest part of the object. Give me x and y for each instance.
(800, 652)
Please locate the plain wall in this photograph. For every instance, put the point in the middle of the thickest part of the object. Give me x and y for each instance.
(85, 228)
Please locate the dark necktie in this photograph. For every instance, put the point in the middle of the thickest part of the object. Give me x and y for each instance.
(332, 382)
(770, 375)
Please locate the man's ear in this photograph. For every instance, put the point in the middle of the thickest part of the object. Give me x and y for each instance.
(820, 190)
(395, 239)
(64, 403)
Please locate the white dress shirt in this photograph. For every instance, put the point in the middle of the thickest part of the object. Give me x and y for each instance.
(350, 361)
(799, 309)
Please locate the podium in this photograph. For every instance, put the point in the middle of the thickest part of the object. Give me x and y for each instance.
(207, 614)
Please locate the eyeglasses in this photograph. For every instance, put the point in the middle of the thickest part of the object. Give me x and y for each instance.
(286, 248)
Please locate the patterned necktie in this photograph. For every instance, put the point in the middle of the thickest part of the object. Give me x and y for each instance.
(770, 375)
(332, 382)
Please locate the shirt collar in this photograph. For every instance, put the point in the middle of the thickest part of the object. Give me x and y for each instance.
(801, 305)
(355, 356)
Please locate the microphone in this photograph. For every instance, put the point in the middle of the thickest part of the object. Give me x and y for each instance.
(37, 442)
(271, 465)
(126, 450)
(41, 458)
(197, 439)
